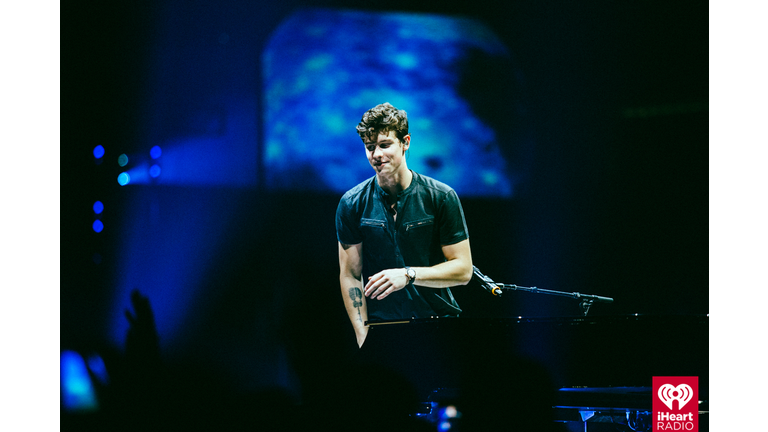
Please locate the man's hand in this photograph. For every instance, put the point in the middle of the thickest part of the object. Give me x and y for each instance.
(385, 283)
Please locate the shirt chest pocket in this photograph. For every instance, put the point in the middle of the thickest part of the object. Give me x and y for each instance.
(419, 232)
(373, 229)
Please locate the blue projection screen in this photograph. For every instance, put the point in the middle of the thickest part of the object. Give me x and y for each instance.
(322, 69)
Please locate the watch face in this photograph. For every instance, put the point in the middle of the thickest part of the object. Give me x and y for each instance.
(411, 273)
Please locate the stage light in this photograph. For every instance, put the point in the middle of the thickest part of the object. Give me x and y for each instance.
(122, 160)
(156, 152)
(98, 226)
(154, 171)
(77, 392)
(98, 207)
(98, 152)
(450, 412)
(123, 179)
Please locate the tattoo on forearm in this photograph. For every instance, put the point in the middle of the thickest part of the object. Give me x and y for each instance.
(357, 300)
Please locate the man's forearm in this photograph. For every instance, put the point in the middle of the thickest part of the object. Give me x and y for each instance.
(354, 302)
(456, 270)
(444, 275)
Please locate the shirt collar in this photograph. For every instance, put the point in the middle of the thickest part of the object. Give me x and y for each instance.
(383, 194)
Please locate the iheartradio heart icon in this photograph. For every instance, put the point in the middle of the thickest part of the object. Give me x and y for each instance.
(671, 416)
(669, 393)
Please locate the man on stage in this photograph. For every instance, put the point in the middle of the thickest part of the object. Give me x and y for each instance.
(402, 236)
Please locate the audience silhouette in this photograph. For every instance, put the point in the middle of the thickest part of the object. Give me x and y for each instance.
(338, 393)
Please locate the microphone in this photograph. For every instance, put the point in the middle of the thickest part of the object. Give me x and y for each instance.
(486, 282)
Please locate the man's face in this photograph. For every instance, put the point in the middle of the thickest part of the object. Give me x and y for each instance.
(386, 153)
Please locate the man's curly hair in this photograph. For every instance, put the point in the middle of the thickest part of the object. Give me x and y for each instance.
(383, 118)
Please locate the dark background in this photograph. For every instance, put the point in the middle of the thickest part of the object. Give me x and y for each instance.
(616, 203)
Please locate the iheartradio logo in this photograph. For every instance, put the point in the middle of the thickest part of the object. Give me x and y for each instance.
(669, 393)
(680, 416)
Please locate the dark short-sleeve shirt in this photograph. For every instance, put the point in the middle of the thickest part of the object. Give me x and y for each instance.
(429, 216)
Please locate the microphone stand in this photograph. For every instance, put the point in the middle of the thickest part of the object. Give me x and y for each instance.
(585, 300)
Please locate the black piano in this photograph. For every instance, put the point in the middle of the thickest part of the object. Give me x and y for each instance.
(522, 373)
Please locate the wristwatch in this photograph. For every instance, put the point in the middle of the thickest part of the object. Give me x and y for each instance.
(411, 273)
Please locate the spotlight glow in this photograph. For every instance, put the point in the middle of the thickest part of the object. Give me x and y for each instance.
(154, 171)
(156, 152)
(123, 179)
(450, 412)
(98, 207)
(98, 226)
(77, 392)
(98, 152)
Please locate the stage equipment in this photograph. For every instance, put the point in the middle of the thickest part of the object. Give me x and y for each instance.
(588, 372)
(585, 300)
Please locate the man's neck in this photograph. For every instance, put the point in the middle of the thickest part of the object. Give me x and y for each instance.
(396, 182)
